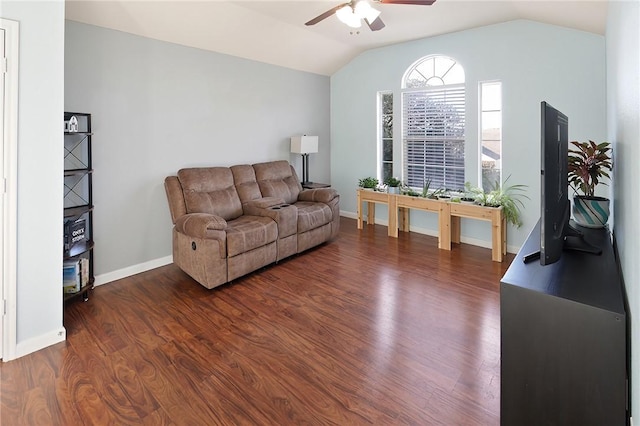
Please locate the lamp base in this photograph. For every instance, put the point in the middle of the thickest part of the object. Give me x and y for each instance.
(305, 169)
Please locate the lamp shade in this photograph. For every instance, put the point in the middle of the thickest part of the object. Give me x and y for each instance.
(304, 144)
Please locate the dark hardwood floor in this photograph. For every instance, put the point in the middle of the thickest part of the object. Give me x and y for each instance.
(366, 329)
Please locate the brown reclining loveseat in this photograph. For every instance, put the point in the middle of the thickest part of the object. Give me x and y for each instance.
(229, 221)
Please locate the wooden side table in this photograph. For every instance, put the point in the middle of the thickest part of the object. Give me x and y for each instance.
(315, 185)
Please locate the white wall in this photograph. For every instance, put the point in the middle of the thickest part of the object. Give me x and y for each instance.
(534, 61)
(40, 152)
(158, 107)
(623, 108)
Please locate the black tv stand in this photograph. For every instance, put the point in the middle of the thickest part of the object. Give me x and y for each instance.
(573, 241)
(564, 338)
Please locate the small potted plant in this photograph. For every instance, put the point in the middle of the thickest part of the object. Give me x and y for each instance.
(407, 190)
(425, 188)
(368, 183)
(393, 185)
(445, 195)
(469, 195)
(589, 163)
(436, 194)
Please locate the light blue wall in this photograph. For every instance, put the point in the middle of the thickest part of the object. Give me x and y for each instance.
(158, 107)
(623, 108)
(534, 61)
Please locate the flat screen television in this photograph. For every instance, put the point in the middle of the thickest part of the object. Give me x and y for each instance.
(556, 234)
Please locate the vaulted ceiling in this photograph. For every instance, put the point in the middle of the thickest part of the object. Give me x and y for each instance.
(274, 32)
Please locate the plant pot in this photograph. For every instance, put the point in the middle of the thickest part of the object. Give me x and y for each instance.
(590, 212)
(393, 189)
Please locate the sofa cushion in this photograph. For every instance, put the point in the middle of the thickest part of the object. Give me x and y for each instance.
(312, 215)
(244, 178)
(249, 232)
(210, 190)
(277, 179)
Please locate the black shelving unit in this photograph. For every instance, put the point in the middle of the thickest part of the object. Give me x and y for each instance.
(78, 241)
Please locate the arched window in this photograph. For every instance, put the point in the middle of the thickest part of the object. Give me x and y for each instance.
(433, 124)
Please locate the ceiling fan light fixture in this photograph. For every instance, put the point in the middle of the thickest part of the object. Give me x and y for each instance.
(363, 10)
(346, 15)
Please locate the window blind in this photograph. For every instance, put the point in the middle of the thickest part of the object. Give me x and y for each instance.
(433, 136)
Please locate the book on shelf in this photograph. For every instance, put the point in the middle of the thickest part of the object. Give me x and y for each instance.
(75, 275)
(84, 272)
(71, 278)
(74, 233)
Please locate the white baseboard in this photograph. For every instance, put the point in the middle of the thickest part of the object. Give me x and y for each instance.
(348, 214)
(60, 335)
(36, 343)
(132, 270)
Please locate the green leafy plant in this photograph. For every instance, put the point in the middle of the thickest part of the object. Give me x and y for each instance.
(407, 190)
(425, 188)
(392, 182)
(436, 193)
(445, 194)
(470, 193)
(368, 182)
(508, 196)
(588, 164)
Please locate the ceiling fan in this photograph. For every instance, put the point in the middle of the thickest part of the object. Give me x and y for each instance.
(353, 12)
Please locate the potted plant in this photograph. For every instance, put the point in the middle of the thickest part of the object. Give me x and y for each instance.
(444, 195)
(368, 183)
(436, 194)
(407, 190)
(393, 185)
(589, 163)
(509, 197)
(468, 196)
(425, 188)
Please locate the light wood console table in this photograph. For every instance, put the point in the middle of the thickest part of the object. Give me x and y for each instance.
(371, 198)
(449, 215)
(491, 214)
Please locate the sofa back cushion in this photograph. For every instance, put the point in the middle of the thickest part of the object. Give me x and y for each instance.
(278, 179)
(245, 180)
(210, 190)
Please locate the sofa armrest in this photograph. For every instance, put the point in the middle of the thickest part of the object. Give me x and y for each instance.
(322, 195)
(201, 225)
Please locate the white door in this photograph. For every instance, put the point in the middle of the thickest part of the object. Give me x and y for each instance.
(3, 70)
(9, 39)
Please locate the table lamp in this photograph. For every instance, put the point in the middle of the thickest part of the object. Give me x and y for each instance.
(304, 145)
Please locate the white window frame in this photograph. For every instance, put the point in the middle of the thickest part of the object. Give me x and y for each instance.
(434, 80)
(487, 146)
(381, 136)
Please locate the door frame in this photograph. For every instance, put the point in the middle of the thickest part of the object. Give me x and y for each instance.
(10, 202)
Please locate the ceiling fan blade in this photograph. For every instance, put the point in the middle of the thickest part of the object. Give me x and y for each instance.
(416, 2)
(325, 15)
(376, 25)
